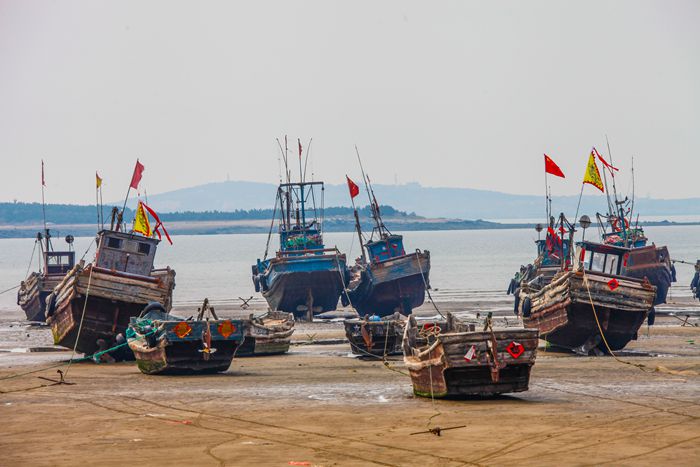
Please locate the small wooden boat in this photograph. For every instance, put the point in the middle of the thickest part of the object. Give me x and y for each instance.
(165, 344)
(32, 293)
(374, 335)
(457, 360)
(304, 277)
(269, 334)
(106, 294)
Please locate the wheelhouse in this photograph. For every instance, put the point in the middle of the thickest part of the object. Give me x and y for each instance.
(607, 259)
(123, 252)
(386, 248)
(59, 262)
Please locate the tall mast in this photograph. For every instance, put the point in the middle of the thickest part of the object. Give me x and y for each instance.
(373, 208)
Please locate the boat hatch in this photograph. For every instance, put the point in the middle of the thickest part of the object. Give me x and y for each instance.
(59, 262)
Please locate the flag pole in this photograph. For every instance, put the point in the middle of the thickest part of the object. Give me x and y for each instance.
(102, 214)
(97, 206)
(43, 202)
(546, 196)
(579, 203)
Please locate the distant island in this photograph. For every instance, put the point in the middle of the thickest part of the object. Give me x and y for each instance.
(21, 220)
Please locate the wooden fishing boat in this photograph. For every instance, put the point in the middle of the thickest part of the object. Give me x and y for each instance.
(457, 360)
(104, 295)
(269, 334)
(304, 277)
(165, 344)
(385, 279)
(374, 335)
(578, 307)
(32, 293)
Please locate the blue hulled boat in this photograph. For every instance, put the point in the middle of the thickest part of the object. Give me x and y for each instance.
(304, 277)
(385, 279)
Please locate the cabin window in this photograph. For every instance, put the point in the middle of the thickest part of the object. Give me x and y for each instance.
(587, 254)
(114, 243)
(611, 264)
(598, 262)
(144, 248)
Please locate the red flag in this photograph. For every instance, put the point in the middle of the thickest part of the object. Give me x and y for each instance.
(43, 182)
(354, 189)
(552, 168)
(136, 178)
(605, 163)
(159, 224)
(299, 141)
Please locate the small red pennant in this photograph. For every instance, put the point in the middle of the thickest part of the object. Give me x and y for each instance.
(515, 349)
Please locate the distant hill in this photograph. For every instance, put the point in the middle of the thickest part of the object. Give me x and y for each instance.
(455, 203)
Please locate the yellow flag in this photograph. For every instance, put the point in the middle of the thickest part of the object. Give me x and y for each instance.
(141, 223)
(98, 180)
(592, 174)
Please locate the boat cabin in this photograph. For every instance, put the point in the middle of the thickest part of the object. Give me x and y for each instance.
(299, 239)
(386, 248)
(124, 252)
(608, 259)
(59, 262)
(551, 251)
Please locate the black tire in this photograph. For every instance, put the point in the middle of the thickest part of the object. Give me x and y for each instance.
(516, 303)
(256, 283)
(527, 307)
(673, 273)
(511, 287)
(151, 307)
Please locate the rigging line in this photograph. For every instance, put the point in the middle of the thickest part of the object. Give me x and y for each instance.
(31, 259)
(10, 289)
(272, 225)
(425, 283)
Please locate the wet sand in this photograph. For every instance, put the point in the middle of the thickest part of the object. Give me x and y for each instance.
(317, 405)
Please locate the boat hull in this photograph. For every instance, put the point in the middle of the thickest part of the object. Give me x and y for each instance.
(440, 368)
(378, 338)
(167, 352)
(563, 313)
(112, 299)
(33, 292)
(397, 284)
(293, 284)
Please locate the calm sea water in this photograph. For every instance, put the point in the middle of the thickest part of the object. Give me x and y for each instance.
(465, 263)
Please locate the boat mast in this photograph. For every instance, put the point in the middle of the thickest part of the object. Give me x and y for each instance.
(379, 225)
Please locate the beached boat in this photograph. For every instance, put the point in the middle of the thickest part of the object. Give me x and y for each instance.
(385, 279)
(465, 357)
(166, 344)
(104, 295)
(304, 277)
(269, 334)
(578, 307)
(376, 336)
(642, 261)
(552, 251)
(32, 293)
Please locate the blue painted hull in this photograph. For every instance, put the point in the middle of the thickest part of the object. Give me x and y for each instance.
(397, 284)
(291, 283)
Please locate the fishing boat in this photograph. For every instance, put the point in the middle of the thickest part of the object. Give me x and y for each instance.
(304, 277)
(269, 334)
(462, 358)
(32, 293)
(591, 308)
(374, 335)
(166, 344)
(94, 303)
(385, 279)
(619, 228)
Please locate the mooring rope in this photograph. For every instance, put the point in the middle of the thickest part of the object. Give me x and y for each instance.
(641, 366)
(11, 289)
(425, 283)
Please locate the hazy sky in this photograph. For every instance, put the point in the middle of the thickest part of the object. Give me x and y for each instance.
(463, 94)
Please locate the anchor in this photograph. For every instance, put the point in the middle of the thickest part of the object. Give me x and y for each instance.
(55, 383)
(244, 305)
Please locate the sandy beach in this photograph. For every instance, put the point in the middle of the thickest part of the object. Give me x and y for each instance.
(320, 406)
